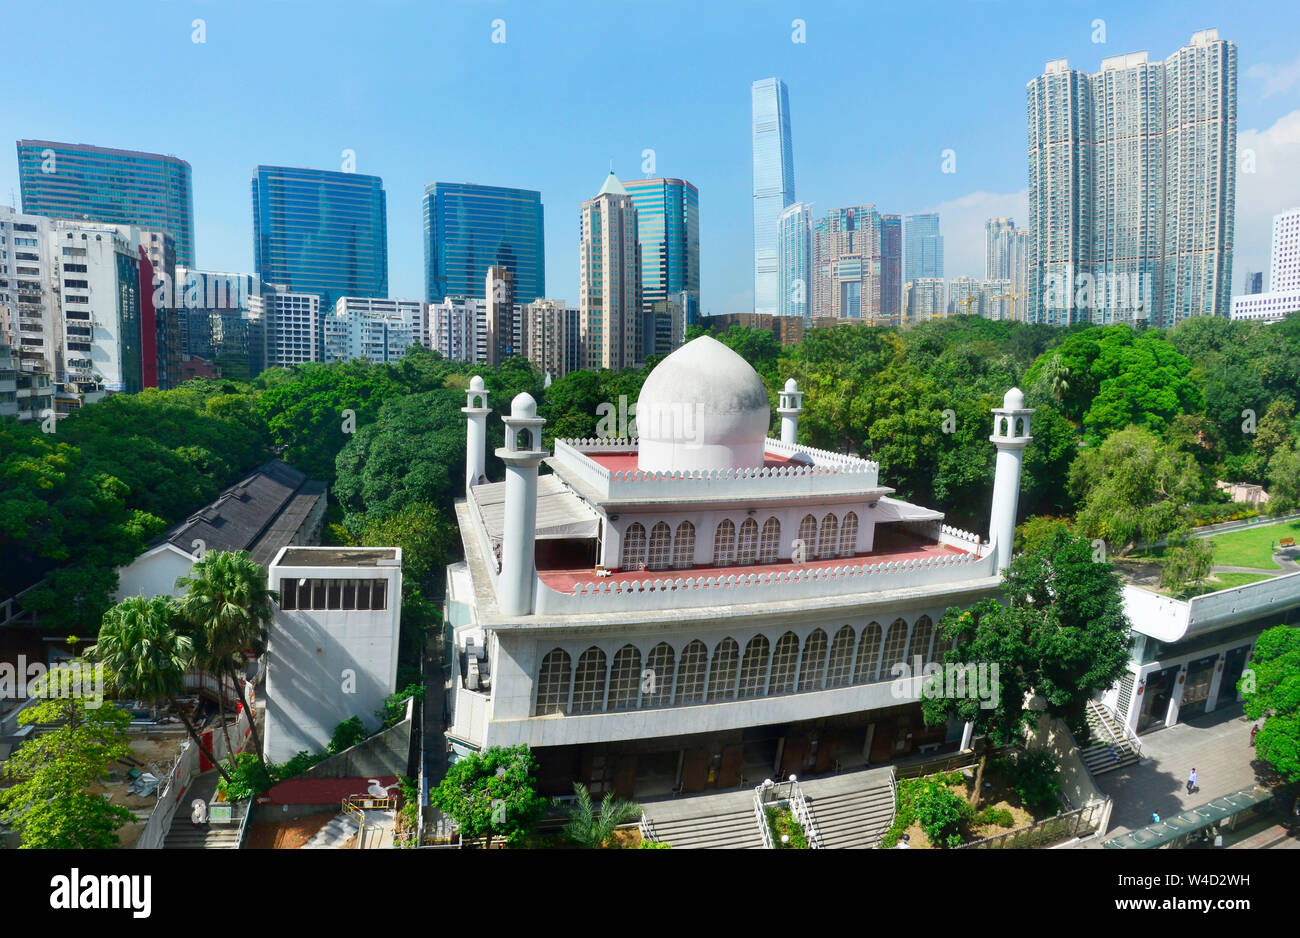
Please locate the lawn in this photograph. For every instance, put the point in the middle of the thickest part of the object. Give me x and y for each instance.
(1252, 547)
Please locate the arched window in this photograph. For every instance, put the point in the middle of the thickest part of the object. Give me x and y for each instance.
(553, 682)
(769, 542)
(633, 546)
(849, 535)
(690, 675)
(840, 670)
(722, 673)
(868, 653)
(589, 682)
(724, 544)
(657, 683)
(814, 661)
(785, 659)
(919, 646)
(895, 642)
(828, 541)
(808, 535)
(747, 543)
(753, 667)
(625, 678)
(661, 545)
(684, 546)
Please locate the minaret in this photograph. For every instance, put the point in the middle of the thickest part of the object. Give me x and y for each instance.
(521, 454)
(1010, 435)
(790, 406)
(475, 432)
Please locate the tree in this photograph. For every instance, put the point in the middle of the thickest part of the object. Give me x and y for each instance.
(941, 812)
(492, 793)
(146, 656)
(1144, 381)
(1271, 691)
(1284, 481)
(1274, 430)
(226, 599)
(1187, 561)
(592, 829)
(48, 804)
(1059, 636)
(1133, 487)
(1056, 377)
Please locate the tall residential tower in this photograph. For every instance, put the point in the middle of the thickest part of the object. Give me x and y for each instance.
(609, 279)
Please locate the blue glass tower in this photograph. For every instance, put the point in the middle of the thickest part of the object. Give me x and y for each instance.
(668, 228)
(922, 247)
(773, 184)
(121, 187)
(321, 232)
(469, 228)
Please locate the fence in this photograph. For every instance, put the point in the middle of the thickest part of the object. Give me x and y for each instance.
(1077, 823)
(171, 790)
(768, 795)
(956, 760)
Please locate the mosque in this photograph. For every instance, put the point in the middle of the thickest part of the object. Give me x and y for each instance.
(703, 606)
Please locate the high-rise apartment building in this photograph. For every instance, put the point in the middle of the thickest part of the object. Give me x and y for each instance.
(507, 332)
(668, 228)
(922, 247)
(291, 326)
(321, 232)
(1283, 295)
(924, 300)
(457, 328)
(27, 396)
(1132, 187)
(120, 187)
(609, 279)
(795, 261)
(773, 184)
(891, 267)
(847, 264)
(963, 296)
(30, 320)
(469, 228)
(1006, 257)
(376, 330)
(554, 337)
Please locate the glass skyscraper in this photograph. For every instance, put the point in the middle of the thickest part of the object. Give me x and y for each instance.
(469, 228)
(773, 184)
(321, 232)
(795, 261)
(668, 227)
(922, 247)
(121, 187)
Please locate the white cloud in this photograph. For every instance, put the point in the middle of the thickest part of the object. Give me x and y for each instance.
(1273, 187)
(961, 222)
(1277, 79)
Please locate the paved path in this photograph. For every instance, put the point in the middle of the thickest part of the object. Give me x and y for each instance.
(1216, 744)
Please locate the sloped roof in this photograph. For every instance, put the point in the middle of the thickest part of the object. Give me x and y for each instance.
(612, 186)
(560, 513)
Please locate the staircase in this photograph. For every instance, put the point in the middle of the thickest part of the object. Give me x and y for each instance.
(1111, 749)
(184, 835)
(857, 818)
(730, 831)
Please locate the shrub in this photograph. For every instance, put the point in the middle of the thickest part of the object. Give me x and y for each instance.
(301, 762)
(654, 845)
(782, 822)
(941, 813)
(250, 777)
(394, 708)
(991, 815)
(1035, 777)
(346, 735)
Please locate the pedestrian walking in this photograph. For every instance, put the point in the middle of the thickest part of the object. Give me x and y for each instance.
(1254, 731)
(1191, 782)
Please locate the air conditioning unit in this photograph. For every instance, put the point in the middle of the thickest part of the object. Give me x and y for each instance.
(471, 677)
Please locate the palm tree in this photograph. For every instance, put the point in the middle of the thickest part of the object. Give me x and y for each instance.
(588, 829)
(1057, 376)
(227, 602)
(147, 656)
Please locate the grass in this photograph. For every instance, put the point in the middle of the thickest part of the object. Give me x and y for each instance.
(1252, 547)
(1229, 580)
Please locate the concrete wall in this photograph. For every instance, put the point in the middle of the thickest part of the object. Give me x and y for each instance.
(386, 753)
(1076, 782)
(153, 574)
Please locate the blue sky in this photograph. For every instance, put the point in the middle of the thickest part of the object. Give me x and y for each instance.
(422, 93)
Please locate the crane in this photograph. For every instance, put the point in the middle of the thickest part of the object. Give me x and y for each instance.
(1012, 297)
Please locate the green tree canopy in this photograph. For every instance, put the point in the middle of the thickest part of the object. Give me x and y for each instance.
(1271, 691)
(492, 794)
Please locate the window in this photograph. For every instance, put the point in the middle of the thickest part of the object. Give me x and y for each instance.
(553, 683)
(722, 673)
(724, 544)
(753, 667)
(894, 645)
(747, 543)
(684, 546)
(784, 661)
(633, 546)
(346, 595)
(808, 536)
(828, 540)
(589, 683)
(661, 537)
(814, 660)
(840, 670)
(919, 646)
(657, 685)
(769, 543)
(868, 653)
(849, 535)
(625, 678)
(690, 674)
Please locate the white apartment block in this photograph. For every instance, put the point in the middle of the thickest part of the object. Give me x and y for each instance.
(29, 316)
(457, 328)
(1006, 256)
(378, 330)
(923, 299)
(291, 326)
(1283, 295)
(554, 336)
(609, 279)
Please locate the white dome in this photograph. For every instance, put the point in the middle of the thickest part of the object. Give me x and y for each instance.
(702, 407)
(523, 405)
(1013, 400)
(791, 385)
(476, 383)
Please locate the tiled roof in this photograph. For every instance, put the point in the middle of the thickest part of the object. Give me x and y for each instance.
(320, 790)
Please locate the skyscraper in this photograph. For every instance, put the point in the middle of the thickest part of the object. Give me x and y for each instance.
(1132, 187)
(795, 261)
(891, 267)
(773, 184)
(1283, 294)
(922, 247)
(122, 187)
(322, 232)
(609, 279)
(847, 264)
(469, 228)
(668, 228)
(1006, 257)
